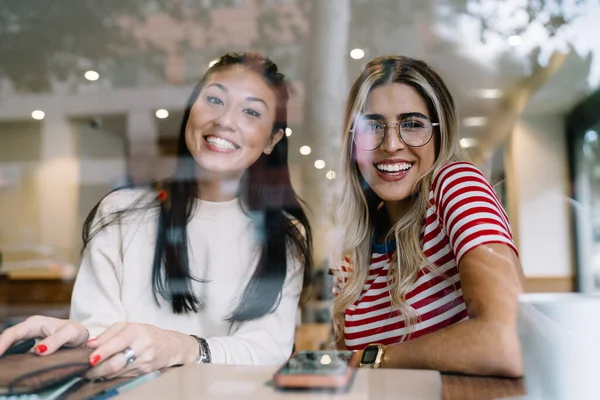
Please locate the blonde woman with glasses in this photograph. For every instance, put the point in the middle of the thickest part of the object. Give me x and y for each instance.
(426, 271)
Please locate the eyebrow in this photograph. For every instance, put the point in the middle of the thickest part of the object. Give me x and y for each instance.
(250, 98)
(379, 117)
(223, 88)
(258, 99)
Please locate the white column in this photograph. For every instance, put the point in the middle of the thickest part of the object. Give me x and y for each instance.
(538, 196)
(142, 136)
(326, 91)
(58, 186)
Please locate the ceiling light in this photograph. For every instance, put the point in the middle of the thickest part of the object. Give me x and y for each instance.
(319, 164)
(213, 62)
(305, 150)
(515, 40)
(38, 114)
(92, 76)
(489, 93)
(357, 54)
(162, 113)
(468, 142)
(330, 174)
(288, 132)
(591, 136)
(475, 121)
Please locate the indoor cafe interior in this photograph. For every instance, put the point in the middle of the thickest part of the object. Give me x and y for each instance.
(92, 99)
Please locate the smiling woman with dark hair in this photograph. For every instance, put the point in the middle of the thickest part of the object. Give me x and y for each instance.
(208, 265)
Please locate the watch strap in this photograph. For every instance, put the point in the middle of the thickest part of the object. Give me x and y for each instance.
(204, 356)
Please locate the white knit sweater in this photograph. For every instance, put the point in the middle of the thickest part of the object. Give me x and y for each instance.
(114, 282)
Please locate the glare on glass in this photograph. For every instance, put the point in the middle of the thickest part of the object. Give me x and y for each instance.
(415, 131)
(92, 75)
(38, 114)
(305, 150)
(162, 113)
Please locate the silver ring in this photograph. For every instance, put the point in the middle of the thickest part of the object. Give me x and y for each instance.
(129, 355)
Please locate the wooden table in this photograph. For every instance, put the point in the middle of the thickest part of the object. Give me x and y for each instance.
(237, 382)
(468, 387)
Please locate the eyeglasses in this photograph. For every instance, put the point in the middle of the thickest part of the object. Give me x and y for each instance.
(414, 131)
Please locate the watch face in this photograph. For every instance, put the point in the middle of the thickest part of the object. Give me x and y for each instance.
(370, 354)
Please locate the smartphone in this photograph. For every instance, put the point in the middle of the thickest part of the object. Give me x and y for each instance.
(331, 370)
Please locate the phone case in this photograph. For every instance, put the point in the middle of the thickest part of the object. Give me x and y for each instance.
(318, 370)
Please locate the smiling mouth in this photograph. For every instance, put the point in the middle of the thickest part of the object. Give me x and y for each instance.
(220, 143)
(393, 168)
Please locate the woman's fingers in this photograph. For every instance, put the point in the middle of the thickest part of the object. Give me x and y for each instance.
(124, 355)
(116, 365)
(128, 372)
(114, 340)
(10, 336)
(69, 334)
(112, 331)
(33, 327)
(113, 359)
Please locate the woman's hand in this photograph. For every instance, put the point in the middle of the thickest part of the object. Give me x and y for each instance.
(154, 349)
(55, 333)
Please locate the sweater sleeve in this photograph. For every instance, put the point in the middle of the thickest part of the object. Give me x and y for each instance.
(469, 209)
(96, 300)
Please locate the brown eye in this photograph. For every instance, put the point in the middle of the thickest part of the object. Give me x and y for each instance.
(252, 112)
(370, 128)
(214, 100)
(412, 124)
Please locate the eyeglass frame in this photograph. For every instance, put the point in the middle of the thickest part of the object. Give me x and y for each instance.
(396, 124)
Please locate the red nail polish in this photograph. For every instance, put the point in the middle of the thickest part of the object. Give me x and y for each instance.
(91, 341)
(41, 348)
(94, 360)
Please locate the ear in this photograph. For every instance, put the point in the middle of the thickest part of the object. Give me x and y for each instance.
(275, 138)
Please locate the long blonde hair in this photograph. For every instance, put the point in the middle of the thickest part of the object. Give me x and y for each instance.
(354, 203)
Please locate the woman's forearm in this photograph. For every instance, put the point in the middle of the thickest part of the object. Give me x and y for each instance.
(471, 347)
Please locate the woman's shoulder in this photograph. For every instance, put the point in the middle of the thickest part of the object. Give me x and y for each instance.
(457, 169)
(127, 199)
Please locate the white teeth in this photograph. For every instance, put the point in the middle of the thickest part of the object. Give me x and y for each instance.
(394, 167)
(220, 142)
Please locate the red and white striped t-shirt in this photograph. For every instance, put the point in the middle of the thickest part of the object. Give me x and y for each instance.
(463, 213)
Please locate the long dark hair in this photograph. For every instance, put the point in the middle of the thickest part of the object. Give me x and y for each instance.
(265, 191)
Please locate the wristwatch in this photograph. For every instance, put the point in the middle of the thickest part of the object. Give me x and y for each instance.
(204, 351)
(372, 355)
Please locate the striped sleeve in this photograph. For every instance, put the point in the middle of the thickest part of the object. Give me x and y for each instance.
(340, 273)
(468, 208)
